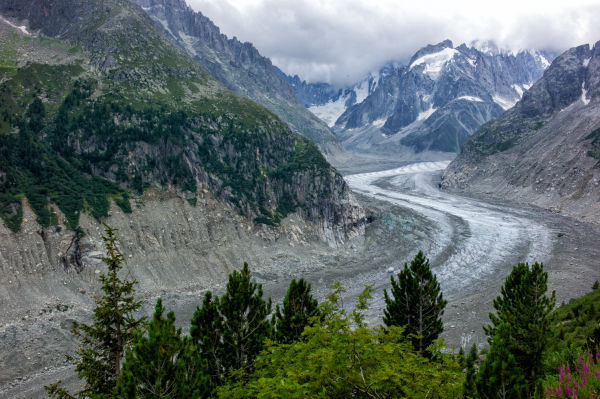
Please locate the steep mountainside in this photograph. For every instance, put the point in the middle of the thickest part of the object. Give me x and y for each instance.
(435, 102)
(546, 149)
(239, 66)
(328, 102)
(102, 118)
(101, 104)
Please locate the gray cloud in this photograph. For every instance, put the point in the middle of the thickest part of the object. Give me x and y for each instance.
(339, 41)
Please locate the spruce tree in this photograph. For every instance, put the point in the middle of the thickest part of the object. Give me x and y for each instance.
(103, 343)
(522, 310)
(299, 307)
(417, 303)
(245, 323)
(162, 363)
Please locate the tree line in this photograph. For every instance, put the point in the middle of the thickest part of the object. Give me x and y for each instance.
(238, 346)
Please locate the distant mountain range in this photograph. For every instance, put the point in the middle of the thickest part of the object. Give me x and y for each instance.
(239, 66)
(545, 150)
(434, 103)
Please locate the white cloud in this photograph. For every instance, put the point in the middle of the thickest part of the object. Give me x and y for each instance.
(341, 40)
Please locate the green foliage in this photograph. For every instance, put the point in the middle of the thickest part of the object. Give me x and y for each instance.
(103, 343)
(501, 374)
(299, 308)
(416, 302)
(338, 358)
(230, 332)
(579, 380)
(162, 363)
(469, 388)
(572, 330)
(245, 323)
(206, 333)
(523, 312)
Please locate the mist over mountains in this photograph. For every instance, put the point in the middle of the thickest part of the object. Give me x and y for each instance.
(434, 103)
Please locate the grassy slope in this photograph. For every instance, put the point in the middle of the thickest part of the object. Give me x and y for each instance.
(101, 122)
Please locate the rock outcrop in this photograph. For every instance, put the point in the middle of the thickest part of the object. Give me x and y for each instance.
(432, 104)
(239, 66)
(545, 151)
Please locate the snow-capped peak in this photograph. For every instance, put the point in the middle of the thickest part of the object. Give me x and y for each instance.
(435, 62)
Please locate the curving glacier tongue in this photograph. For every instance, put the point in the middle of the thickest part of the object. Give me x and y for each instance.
(473, 239)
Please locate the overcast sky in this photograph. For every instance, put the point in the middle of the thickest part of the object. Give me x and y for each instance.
(339, 41)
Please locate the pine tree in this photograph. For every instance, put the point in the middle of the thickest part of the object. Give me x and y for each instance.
(245, 323)
(162, 363)
(299, 307)
(469, 390)
(417, 303)
(206, 332)
(500, 376)
(103, 343)
(522, 309)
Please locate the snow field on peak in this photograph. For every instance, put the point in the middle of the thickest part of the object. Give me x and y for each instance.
(470, 98)
(331, 111)
(435, 62)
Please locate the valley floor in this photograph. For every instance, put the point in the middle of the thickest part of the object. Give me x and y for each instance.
(472, 245)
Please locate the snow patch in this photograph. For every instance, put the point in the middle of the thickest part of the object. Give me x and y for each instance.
(22, 28)
(586, 62)
(470, 98)
(584, 98)
(426, 114)
(379, 122)
(329, 112)
(362, 91)
(435, 62)
(505, 103)
(520, 89)
(188, 42)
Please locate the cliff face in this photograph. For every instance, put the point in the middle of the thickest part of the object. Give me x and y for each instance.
(432, 104)
(237, 65)
(545, 150)
(118, 108)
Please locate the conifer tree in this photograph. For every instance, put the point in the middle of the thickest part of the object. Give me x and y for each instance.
(299, 307)
(245, 323)
(103, 343)
(162, 363)
(417, 303)
(522, 310)
(206, 332)
(469, 390)
(500, 376)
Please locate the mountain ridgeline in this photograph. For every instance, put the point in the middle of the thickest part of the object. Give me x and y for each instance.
(239, 66)
(545, 150)
(434, 103)
(98, 103)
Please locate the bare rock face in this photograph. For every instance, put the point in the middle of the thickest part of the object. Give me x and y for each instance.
(545, 150)
(237, 65)
(126, 128)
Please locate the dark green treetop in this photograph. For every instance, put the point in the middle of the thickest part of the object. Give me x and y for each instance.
(162, 363)
(523, 310)
(299, 307)
(103, 343)
(416, 302)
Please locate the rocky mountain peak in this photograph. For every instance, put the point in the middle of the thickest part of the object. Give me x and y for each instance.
(545, 150)
(239, 66)
(431, 49)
